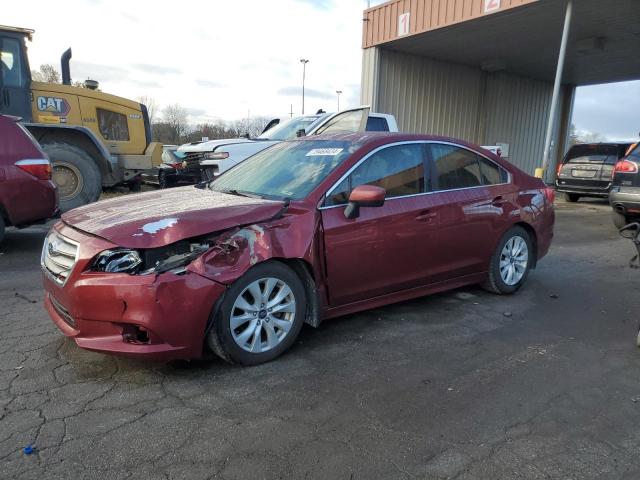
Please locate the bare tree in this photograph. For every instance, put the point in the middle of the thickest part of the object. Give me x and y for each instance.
(46, 73)
(175, 116)
(249, 127)
(152, 107)
(592, 137)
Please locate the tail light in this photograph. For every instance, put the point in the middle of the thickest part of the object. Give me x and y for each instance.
(626, 166)
(40, 168)
(550, 194)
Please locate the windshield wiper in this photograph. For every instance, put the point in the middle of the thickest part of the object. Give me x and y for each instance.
(239, 193)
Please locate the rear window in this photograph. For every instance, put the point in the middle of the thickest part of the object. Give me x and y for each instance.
(607, 154)
(377, 124)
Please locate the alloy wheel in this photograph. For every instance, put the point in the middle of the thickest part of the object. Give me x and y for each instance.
(262, 315)
(514, 260)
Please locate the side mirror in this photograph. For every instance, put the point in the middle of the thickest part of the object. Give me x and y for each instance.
(301, 133)
(364, 196)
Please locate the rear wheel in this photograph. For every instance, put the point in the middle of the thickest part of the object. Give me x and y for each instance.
(260, 316)
(619, 220)
(571, 197)
(75, 173)
(511, 262)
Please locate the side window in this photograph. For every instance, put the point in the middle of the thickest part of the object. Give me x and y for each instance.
(11, 63)
(398, 169)
(377, 124)
(492, 174)
(454, 167)
(113, 125)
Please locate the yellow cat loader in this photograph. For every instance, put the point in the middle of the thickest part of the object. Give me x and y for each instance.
(93, 139)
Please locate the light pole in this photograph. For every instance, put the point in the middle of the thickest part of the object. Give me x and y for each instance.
(338, 92)
(304, 62)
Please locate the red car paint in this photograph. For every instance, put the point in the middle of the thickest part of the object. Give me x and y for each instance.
(373, 260)
(24, 199)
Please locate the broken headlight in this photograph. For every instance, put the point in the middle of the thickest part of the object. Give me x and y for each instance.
(172, 258)
(119, 260)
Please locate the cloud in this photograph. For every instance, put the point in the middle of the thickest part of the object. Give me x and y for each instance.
(610, 110)
(195, 112)
(102, 73)
(156, 69)
(296, 91)
(210, 84)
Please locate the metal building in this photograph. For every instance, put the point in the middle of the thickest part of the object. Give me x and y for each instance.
(484, 70)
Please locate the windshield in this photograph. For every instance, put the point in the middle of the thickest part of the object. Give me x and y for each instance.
(287, 130)
(286, 170)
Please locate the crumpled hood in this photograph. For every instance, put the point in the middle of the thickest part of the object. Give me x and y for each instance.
(154, 219)
(212, 144)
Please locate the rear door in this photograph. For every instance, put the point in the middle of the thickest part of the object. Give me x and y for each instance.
(472, 201)
(15, 78)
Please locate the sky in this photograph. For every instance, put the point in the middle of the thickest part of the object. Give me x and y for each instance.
(219, 62)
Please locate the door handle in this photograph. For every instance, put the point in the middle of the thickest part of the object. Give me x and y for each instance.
(498, 201)
(425, 216)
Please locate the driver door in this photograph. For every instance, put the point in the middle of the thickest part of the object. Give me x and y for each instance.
(15, 98)
(386, 249)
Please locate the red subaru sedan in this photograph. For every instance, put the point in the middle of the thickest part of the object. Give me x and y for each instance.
(304, 231)
(27, 194)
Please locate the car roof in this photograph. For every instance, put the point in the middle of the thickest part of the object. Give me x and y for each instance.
(366, 138)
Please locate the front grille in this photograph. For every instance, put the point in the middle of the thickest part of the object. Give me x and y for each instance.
(63, 312)
(192, 161)
(59, 255)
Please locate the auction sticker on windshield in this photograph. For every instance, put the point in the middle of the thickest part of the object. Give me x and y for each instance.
(317, 152)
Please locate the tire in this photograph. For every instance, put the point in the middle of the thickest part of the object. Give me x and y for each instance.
(76, 174)
(495, 282)
(619, 220)
(162, 178)
(234, 344)
(571, 197)
(2, 226)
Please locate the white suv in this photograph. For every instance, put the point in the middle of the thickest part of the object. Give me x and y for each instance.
(216, 156)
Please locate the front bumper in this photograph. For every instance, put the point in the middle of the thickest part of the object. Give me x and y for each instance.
(160, 317)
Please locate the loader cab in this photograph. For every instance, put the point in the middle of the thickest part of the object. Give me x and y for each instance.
(15, 76)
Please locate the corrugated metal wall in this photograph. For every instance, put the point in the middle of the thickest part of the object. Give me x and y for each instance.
(369, 81)
(382, 20)
(429, 96)
(517, 111)
(440, 98)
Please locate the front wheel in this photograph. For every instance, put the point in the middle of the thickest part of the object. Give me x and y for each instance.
(260, 316)
(511, 262)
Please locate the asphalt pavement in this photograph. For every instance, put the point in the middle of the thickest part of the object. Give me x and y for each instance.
(467, 385)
